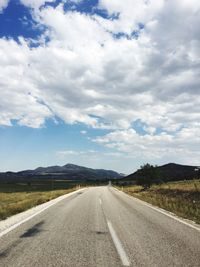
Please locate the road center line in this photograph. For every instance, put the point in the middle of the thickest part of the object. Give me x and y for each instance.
(100, 201)
(118, 245)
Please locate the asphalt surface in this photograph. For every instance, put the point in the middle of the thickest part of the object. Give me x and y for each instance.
(101, 226)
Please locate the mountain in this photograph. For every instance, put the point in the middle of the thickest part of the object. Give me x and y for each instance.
(171, 172)
(68, 171)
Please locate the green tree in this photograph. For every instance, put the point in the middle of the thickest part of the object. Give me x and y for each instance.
(148, 175)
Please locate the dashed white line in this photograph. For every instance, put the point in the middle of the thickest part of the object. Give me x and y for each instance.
(118, 245)
(100, 201)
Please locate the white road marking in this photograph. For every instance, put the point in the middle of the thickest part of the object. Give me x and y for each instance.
(100, 201)
(118, 245)
(167, 213)
(55, 201)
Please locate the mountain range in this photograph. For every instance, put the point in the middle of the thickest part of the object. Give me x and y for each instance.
(167, 172)
(68, 171)
(171, 172)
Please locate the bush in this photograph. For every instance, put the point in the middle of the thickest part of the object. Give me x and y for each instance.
(148, 175)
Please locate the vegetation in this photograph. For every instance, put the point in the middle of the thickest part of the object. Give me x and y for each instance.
(147, 175)
(181, 198)
(18, 197)
(170, 172)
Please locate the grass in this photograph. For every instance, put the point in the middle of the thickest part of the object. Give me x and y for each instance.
(18, 197)
(181, 198)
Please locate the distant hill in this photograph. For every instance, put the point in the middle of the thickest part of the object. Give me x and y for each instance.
(68, 171)
(170, 172)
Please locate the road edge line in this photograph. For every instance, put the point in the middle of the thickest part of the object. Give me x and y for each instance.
(55, 201)
(163, 211)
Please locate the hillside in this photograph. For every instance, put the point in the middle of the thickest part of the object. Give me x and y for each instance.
(171, 172)
(68, 171)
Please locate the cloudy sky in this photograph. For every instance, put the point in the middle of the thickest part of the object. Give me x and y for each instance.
(101, 83)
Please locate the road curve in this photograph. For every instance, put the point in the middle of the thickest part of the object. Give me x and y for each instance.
(101, 226)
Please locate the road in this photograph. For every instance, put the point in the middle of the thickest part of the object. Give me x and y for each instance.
(101, 226)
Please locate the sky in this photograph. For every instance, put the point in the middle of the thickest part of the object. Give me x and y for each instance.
(100, 83)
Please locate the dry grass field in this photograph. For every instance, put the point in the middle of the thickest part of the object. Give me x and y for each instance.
(181, 198)
(15, 198)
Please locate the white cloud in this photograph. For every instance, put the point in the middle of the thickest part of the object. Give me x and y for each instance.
(3, 5)
(77, 153)
(84, 74)
(182, 146)
(20, 99)
(90, 153)
(72, 1)
(68, 153)
(83, 132)
(130, 13)
(35, 3)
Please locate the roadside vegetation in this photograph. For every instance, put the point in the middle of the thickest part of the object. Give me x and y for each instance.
(18, 197)
(181, 198)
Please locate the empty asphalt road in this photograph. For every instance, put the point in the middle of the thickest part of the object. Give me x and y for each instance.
(101, 226)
